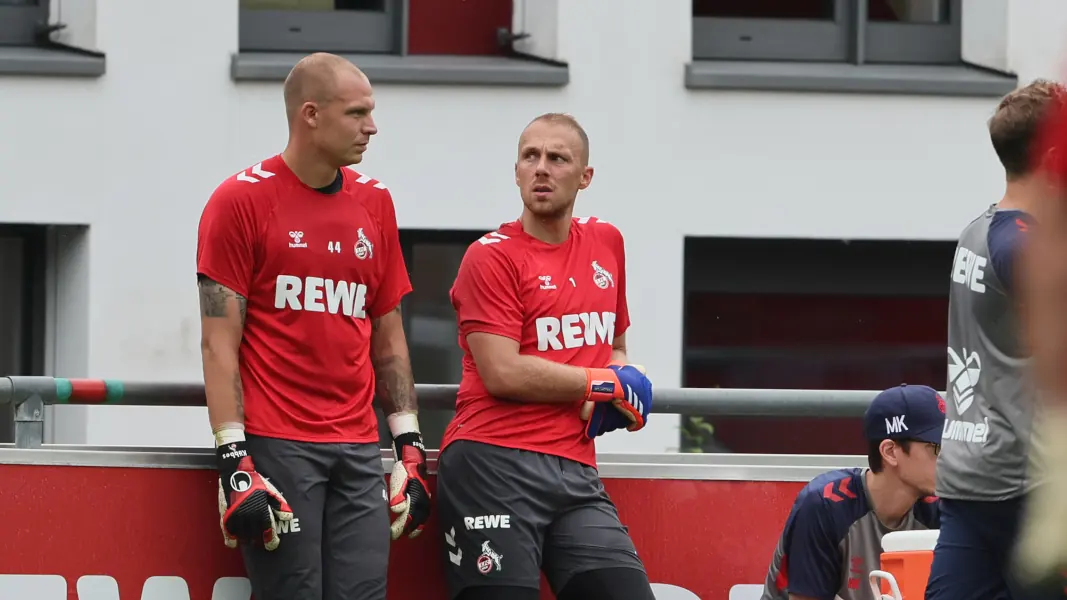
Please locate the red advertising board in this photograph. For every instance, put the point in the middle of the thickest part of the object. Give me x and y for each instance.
(132, 524)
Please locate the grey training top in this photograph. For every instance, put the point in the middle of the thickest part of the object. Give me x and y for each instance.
(989, 420)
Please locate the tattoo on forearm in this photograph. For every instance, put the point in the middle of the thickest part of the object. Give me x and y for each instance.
(239, 395)
(214, 297)
(376, 324)
(396, 386)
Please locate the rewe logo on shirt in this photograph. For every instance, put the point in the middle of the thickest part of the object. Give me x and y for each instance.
(316, 294)
(968, 269)
(572, 331)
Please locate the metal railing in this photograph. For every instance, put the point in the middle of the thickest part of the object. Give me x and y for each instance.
(28, 396)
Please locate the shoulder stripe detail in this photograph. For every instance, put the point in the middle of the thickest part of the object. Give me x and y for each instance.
(842, 486)
(365, 179)
(585, 220)
(258, 171)
(492, 238)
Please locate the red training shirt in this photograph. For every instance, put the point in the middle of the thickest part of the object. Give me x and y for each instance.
(564, 303)
(315, 267)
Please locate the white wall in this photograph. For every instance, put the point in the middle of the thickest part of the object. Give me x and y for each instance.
(136, 153)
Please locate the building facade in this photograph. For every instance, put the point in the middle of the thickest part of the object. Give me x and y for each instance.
(789, 178)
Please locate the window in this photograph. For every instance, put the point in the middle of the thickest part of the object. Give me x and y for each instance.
(22, 251)
(856, 31)
(433, 259)
(373, 26)
(803, 314)
(20, 20)
(455, 42)
(327, 25)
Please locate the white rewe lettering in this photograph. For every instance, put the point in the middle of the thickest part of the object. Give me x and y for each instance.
(574, 330)
(964, 431)
(290, 526)
(488, 522)
(341, 297)
(896, 425)
(969, 269)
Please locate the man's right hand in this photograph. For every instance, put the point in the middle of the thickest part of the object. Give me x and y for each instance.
(249, 505)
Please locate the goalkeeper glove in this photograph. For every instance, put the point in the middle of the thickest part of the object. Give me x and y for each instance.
(249, 504)
(409, 496)
(617, 390)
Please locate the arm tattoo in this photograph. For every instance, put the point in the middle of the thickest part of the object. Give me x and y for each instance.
(239, 395)
(395, 387)
(213, 299)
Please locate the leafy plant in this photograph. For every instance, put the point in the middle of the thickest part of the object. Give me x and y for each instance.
(696, 433)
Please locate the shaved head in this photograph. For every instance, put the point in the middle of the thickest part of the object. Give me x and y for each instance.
(328, 104)
(569, 122)
(553, 165)
(314, 79)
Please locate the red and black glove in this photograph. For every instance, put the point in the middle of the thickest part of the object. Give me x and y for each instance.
(249, 505)
(409, 496)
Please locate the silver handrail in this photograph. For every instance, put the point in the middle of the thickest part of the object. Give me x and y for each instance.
(29, 395)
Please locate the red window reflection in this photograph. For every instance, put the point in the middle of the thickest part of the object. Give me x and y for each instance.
(810, 341)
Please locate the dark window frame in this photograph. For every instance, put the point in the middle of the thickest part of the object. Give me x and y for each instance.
(724, 345)
(340, 31)
(851, 37)
(433, 422)
(20, 25)
(33, 312)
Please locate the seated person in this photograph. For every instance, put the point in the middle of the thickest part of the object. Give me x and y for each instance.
(833, 536)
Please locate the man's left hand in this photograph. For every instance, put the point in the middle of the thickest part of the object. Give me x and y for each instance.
(409, 496)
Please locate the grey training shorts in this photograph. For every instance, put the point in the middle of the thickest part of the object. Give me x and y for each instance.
(507, 514)
(337, 545)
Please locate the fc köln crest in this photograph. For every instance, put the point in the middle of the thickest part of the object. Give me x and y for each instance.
(364, 248)
(601, 277)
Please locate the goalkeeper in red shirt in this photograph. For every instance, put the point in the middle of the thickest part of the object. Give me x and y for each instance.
(541, 308)
(301, 276)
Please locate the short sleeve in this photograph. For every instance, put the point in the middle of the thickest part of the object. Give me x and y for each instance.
(225, 243)
(814, 552)
(395, 283)
(1006, 235)
(485, 294)
(622, 309)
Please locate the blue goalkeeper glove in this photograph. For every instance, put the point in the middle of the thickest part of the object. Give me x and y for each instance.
(619, 397)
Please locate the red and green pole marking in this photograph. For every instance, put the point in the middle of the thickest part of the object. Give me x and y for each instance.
(88, 391)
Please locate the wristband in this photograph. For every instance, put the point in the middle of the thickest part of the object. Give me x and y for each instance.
(599, 384)
(229, 435)
(401, 423)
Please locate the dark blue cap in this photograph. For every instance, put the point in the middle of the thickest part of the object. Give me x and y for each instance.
(905, 412)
